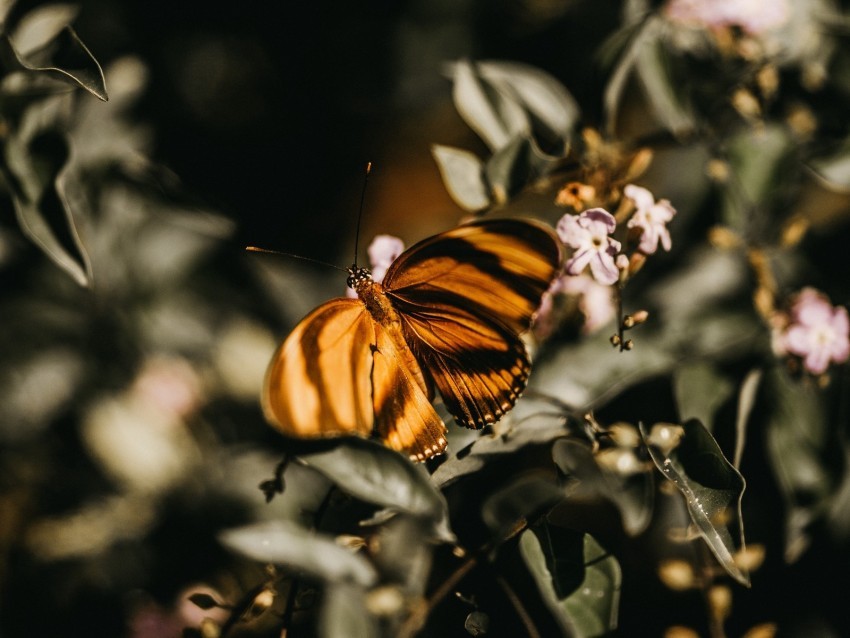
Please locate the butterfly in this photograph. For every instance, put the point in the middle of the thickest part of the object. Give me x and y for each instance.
(448, 315)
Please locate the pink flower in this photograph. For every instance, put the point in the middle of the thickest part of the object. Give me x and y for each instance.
(753, 16)
(383, 251)
(817, 332)
(596, 301)
(651, 217)
(588, 234)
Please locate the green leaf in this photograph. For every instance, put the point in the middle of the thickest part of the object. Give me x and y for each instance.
(496, 117)
(579, 581)
(463, 176)
(833, 170)
(712, 488)
(37, 165)
(758, 158)
(344, 614)
(515, 165)
(523, 498)
(700, 390)
(38, 27)
(554, 112)
(746, 401)
(632, 494)
(285, 543)
(662, 89)
(65, 58)
(376, 474)
(796, 436)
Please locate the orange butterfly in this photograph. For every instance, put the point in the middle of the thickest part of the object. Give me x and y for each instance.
(449, 314)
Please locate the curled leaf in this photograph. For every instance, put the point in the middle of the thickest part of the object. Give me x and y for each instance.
(712, 488)
(285, 543)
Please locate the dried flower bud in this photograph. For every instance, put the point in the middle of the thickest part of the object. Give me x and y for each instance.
(720, 601)
(678, 575)
(723, 237)
(640, 162)
(615, 340)
(764, 630)
(746, 104)
(802, 121)
(636, 263)
(794, 231)
(577, 195)
(751, 557)
(768, 80)
(680, 631)
(384, 601)
(717, 170)
(665, 436)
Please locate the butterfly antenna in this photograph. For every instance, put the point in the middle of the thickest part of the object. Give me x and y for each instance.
(255, 249)
(360, 212)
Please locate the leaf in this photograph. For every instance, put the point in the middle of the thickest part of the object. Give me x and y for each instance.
(41, 25)
(37, 164)
(522, 499)
(712, 488)
(833, 170)
(515, 165)
(463, 176)
(549, 103)
(376, 474)
(652, 66)
(344, 614)
(65, 58)
(579, 581)
(746, 401)
(631, 494)
(700, 390)
(494, 116)
(796, 435)
(285, 543)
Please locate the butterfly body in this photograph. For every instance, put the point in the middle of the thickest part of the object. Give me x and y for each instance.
(448, 315)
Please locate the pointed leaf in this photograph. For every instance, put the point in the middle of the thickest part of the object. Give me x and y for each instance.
(463, 176)
(834, 169)
(549, 103)
(495, 117)
(284, 543)
(712, 488)
(376, 474)
(65, 58)
(41, 25)
(746, 401)
(796, 431)
(700, 390)
(516, 165)
(344, 614)
(523, 498)
(38, 181)
(578, 579)
(632, 494)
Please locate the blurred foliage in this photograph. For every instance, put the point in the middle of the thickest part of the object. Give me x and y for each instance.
(142, 494)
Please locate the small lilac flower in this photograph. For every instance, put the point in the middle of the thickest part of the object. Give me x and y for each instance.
(651, 217)
(383, 251)
(753, 16)
(817, 331)
(588, 234)
(596, 301)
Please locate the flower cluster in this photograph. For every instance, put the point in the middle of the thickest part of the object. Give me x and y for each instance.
(597, 261)
(813, 331)
(752, 16)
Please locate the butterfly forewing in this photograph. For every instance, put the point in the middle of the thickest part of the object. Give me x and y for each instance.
(319, 381)
(464, 298)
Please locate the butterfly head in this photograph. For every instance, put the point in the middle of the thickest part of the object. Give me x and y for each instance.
(358, 276)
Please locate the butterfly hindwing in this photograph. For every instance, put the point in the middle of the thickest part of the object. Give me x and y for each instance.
(464, 297)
